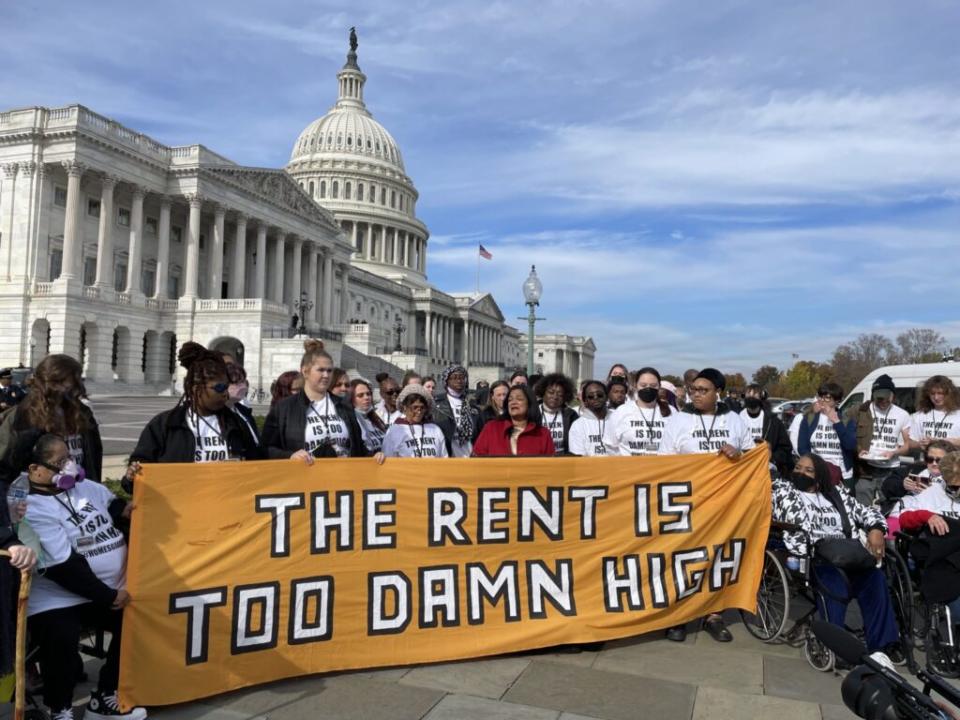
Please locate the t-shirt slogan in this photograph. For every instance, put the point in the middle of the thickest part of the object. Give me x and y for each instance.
(325, 428)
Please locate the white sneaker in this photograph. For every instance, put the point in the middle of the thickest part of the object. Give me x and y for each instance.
(107, 707)
(65, 714)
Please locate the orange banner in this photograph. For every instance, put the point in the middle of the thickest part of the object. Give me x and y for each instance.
(243, 573)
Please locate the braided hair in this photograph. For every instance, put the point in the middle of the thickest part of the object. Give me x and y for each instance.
(202, 366)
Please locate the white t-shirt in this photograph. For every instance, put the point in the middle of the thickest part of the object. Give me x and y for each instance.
(372, 436)
(75, 448)
(211, 442)
(934, 499)
(935, 424)
(794, 432)
(633, 430)
(325, 426)
(403, 440)
(888, 427)
(586, 435)
(825, 442)
(823, 519)
(76, 519)
(754, 424)
(691, 433)
(460, 449)
(388, 417)
(553, 421)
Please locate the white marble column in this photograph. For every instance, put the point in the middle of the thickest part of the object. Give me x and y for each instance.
(215, 266)
(163, 250)
(238, 266)
(72, 229)
(278, 250)
(467, 344)
(104, 277)
(428, 328)
(297, 273)
(192, 271)
(353, 237)
(312, 285)
(328, 290)
(344, 292)
(260, 278)
(7, 211)
(135, 246)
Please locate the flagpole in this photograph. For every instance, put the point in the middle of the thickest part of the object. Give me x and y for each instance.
(478, 271)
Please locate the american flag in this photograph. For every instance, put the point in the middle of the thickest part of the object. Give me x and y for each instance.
(485, 254)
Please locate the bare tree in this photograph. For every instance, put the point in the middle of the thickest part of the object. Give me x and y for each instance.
(766, 376)
(918, 345)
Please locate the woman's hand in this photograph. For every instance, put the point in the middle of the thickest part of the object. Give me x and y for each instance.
(832, 416)
(133, 469)
(128, 511)
(303, 456)
(937, 525)
(912, 485)
(22, 557)
(379, 457)
(876, 543)
(121, 600)
(730, 452)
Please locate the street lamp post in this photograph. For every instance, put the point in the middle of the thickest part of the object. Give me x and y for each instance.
(532, 290)
(398, 328)
(303, 306)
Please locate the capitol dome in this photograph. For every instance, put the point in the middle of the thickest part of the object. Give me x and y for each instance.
(351, 165)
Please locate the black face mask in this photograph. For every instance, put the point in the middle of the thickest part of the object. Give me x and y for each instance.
(803, 483)
(648, 394)
(752, 403)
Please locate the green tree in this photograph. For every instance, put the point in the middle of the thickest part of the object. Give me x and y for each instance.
(735, 381)
(803, 379)
(766, 376)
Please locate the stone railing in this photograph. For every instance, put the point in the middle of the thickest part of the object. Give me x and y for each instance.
(42, 288)
(122, 299)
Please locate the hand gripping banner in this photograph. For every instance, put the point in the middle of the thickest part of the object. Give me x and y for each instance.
(243, 573)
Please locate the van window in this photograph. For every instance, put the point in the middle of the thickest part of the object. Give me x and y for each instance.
(906, 398)
(849, 408)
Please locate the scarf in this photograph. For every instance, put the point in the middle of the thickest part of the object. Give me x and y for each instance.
(464, 429)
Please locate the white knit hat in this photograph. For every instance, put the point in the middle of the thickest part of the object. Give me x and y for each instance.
(415, 389)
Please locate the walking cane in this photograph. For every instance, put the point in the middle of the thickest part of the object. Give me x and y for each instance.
(20, 667)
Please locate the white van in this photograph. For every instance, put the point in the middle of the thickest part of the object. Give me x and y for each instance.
(906, 378)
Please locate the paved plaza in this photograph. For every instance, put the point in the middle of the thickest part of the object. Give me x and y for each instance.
(647, 677)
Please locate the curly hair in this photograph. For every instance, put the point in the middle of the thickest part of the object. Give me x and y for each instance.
(951, 400)
(54, 403)
(950, 466)
(552, 379)
(202, 366)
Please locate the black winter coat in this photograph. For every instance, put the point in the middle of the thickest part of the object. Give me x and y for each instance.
(445, 419)
(285, 429)
(778, 438)
(167, 438)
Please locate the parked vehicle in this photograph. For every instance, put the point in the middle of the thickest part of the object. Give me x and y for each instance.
(906, 378)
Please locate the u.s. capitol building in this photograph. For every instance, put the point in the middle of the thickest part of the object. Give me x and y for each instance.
(116, 249)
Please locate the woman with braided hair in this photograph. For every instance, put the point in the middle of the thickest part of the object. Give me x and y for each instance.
(201, 428)
(458, 419)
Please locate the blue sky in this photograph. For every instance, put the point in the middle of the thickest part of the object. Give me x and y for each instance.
(722, 183)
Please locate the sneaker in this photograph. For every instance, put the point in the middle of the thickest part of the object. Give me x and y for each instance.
(65, 714)
(895, 653)
(107, 707)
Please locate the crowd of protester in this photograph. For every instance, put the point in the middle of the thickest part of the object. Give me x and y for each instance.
(833, 476)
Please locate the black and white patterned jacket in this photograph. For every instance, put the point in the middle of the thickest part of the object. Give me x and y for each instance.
(788, 507)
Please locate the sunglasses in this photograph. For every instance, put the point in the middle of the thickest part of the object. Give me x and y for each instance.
(932, 460)
(390, 392)
(219, 388)
(596, 396)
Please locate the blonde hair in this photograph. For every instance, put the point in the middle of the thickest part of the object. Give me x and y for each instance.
(313, 351)
(950, 466)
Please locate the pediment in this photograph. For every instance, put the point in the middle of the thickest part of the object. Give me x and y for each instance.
(488, 306)
(277, 186)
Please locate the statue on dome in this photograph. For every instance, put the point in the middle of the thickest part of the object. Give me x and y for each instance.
(353, 39)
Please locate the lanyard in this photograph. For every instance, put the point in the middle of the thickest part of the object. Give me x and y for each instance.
(938, 425)
(322, 418)
(649, 423)
(553, 423)
(74, 515)
(418, 444)
(197, 420)
(878, 429)
(704, 426)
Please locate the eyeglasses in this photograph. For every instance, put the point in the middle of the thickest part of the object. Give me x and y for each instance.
(596, 396)
(825, 396)
(219, 387)
(700, 390)
(930, 460)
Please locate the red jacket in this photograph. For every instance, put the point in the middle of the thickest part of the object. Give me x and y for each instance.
(494, 439)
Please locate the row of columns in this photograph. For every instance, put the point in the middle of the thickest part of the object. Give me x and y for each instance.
(393, 245)
(319, 288)
(482, 345)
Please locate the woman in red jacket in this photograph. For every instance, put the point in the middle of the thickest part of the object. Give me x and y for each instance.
(517, 431)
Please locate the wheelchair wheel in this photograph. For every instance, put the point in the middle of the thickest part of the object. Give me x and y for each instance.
(773, 601)
(35, 713)
(817, 654)
(904, 606)
(942, 657)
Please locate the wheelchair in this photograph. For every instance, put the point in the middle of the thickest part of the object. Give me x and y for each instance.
(787, 579)
(934, 627)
